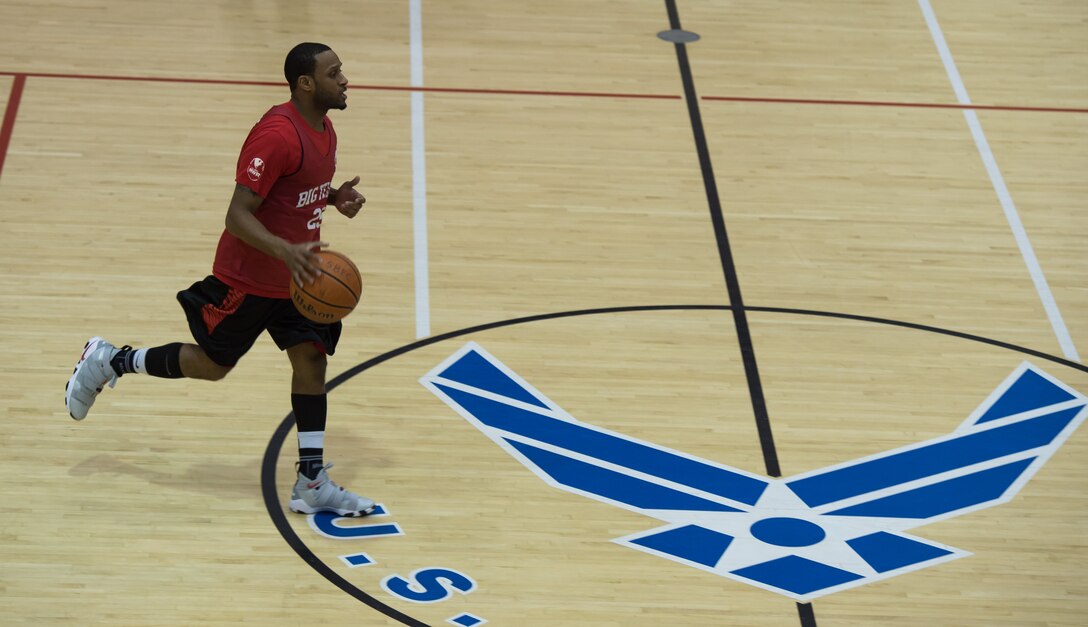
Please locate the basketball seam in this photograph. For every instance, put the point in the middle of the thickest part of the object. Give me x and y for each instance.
(303, 296)
(350, 264)
(325, 302)
(344, 285)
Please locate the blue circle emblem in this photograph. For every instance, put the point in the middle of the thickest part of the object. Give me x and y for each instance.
(788, 532)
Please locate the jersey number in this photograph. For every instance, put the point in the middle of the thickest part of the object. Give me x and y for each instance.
(315, 222)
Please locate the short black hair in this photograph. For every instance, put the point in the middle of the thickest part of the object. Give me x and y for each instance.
(301, 61)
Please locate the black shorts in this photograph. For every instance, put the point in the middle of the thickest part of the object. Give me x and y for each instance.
(225, 322)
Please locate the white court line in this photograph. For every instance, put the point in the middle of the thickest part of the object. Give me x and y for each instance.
(419, 177)
(998, 182)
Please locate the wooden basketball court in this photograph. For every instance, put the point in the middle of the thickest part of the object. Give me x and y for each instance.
(820, 232)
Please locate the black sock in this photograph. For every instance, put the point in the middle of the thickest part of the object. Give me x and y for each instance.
(311, 411)
(122, 361)
(162, 361)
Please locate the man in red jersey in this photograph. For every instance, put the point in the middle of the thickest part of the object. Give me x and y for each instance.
(273, 226)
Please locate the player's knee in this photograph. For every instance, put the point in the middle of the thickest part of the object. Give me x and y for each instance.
(310, 373)
(306, 360)
(196, 364)
(315, 363)
(217, 372)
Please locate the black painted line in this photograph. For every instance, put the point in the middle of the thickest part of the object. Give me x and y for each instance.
(279, 518)
(434, 339)
(923, 327)
(806, 614)
(732, 281)
(729, 269)
(269, 489)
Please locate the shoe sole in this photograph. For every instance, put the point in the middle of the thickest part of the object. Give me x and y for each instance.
(300, 507)
(87, 350)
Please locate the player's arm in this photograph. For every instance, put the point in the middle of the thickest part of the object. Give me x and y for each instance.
(243, 224)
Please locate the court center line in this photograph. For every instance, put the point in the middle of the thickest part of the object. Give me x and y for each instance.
(1002, 191)
(805, 611)
(419, 177)
(725, 253)
(12, 110)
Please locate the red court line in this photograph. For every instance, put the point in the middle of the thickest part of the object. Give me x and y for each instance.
(522, 92)
(211, 81)
(872, 103)
(147, 79)
(528, 92)
(9, 116)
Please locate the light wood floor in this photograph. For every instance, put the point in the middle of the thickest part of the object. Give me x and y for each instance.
(561, 175)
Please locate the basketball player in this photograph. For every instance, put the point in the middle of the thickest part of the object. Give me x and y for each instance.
(273, 224)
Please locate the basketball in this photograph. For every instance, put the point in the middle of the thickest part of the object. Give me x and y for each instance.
(334, 294)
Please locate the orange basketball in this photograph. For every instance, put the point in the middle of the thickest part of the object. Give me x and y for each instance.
(333, 294)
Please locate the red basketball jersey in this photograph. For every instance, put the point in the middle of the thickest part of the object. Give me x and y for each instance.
(291, 166)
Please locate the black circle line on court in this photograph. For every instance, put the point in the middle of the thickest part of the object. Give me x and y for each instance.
(270, 490)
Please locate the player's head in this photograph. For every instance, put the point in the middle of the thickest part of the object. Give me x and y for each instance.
(313, 72)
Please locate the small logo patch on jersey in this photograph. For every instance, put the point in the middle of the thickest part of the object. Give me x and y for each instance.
(255, 169)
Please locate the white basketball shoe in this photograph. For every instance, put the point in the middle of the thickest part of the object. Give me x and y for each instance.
(321, 494)
(93, 371)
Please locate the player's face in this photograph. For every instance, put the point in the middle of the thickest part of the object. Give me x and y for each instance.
(330, 84)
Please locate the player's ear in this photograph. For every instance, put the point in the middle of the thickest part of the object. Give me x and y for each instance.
(306, 82)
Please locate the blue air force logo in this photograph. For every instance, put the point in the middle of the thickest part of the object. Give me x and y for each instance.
(804, 536)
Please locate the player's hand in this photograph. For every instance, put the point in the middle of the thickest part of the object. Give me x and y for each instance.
(348, 200)
(300, 261)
